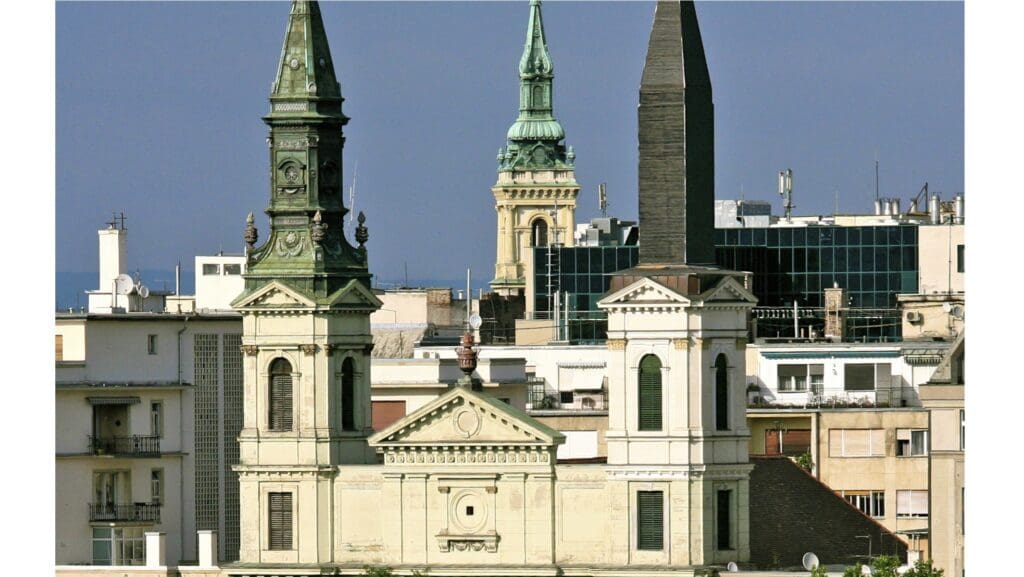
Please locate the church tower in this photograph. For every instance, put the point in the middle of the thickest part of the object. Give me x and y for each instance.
(677, 433)
(535, 195)
(306, 316)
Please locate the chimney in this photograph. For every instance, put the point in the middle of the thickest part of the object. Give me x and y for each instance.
(113, 255)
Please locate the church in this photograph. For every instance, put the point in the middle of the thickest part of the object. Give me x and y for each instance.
(468, 485)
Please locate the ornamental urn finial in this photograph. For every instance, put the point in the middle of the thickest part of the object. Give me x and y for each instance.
(251, 234)
(362, 233)
(317, 230)
(467, 360)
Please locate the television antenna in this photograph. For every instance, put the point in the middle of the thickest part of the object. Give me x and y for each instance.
(786, 191)
(809, 561)
(602, 198)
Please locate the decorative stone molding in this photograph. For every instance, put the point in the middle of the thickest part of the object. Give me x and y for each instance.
(329, 349)
(512, 455)
(308, 349)
(491, 490)
(249, 350)
(486, 541)
(680, 344)
(616, 344)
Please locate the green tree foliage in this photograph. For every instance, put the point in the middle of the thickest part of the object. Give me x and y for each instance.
(819, 571)
(805, 461)
(923, 569)
(884, 566)
(854, 571)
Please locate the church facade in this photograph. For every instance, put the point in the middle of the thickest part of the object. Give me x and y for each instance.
(468, 484)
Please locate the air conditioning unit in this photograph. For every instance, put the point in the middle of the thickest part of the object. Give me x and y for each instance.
(914, 317)
(589, 401)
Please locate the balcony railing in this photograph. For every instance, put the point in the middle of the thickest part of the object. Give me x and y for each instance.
(137, 512)
(130, 445)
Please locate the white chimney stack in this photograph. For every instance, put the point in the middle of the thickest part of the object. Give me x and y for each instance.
(113, 255)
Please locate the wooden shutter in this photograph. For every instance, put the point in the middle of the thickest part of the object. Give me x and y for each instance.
(281, 402)
(649, 402)
(650, 534)
(280, 521)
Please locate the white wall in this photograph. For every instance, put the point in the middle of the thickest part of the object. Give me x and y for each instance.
(216, 291)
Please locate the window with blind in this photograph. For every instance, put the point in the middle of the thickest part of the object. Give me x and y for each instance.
(866, 376)
(856, 443)
(721, 394)
(649, 397)
(911, 503)
(795, 378)
(723, 514)
(280, 515)
(911, 442)
(348, 396)
(280, 395)
(650, 520)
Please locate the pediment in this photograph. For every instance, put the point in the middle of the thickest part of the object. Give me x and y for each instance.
(463, 417)
(728, 290)
(643, 291)
(274, 294)
(354, 294)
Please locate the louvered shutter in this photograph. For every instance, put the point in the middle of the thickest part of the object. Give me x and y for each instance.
(649, 394)
(348, 396)
(280, 521)
(281, 402)
(650, 520)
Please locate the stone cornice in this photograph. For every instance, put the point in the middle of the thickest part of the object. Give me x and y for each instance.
(479, 455)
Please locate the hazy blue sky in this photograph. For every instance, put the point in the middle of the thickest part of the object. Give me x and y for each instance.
(159, 106)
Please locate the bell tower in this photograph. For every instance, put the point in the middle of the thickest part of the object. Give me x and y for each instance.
(305, 311)
(535, 196)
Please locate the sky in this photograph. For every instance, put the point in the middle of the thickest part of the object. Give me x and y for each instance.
(159, 106)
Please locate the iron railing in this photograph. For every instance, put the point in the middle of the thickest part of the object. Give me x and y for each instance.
(138, 512)
(130, 445)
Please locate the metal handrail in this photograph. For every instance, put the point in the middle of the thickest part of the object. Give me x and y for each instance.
(126, 445)
(140, 512)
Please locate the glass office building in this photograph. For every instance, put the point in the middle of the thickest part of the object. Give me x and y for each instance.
(873, 264)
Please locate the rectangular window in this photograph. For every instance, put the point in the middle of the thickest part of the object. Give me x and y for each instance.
(959, 258)
(156, 418)
(911, 503)
(795, 378)
(232, 269)
(792, 442)
(118, 546)
(156, 486)
(871, 503)
(911, 442)
(565, 397)
(211, 269)
(280, 514)
(723, 516)
(59, 347)
(866, 376)
(151, 344)
(650, 534)
(856, 442)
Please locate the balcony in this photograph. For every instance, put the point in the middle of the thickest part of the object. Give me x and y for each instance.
(126, 512)
(130, 446)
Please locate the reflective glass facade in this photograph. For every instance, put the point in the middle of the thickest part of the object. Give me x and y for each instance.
(873, 264)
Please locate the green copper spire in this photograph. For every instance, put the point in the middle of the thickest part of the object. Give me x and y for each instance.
(306, 247)
(533, 141)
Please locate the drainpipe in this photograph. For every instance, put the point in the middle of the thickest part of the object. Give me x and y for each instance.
(184, 326)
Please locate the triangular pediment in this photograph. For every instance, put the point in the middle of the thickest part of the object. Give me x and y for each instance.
(728, 290)
(354, 294)
(463, 417)
(643, 291)
(274, 294)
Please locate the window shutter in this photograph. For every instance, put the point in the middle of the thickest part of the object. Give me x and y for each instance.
(650, 520)
(919, 503)
(650, 394)
(281, 403)
(348, 396)
(280, 521)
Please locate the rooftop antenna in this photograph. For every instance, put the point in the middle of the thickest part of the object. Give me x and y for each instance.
(786, 192)
(835, 212)
(876, 175)
(602, 198)
(352, 194)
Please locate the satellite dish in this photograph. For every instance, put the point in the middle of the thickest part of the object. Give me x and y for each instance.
(124, 284)
(810, 561)
(732, 567)
(946, 307)
(143, 291)
(475, 321)
(957, 311)
(865, 570)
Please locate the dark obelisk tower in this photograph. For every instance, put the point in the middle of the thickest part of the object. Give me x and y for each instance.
(677, 143)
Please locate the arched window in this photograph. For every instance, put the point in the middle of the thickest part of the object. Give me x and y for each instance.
(348, 396)
(721, 394)
(280, 395)
(539, 233)
(649, 394)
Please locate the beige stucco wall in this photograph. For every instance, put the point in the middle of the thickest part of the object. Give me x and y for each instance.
(937, 248)
(889, 473)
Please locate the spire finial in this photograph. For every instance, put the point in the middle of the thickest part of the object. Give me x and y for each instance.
(251, 234)
(362, 233)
